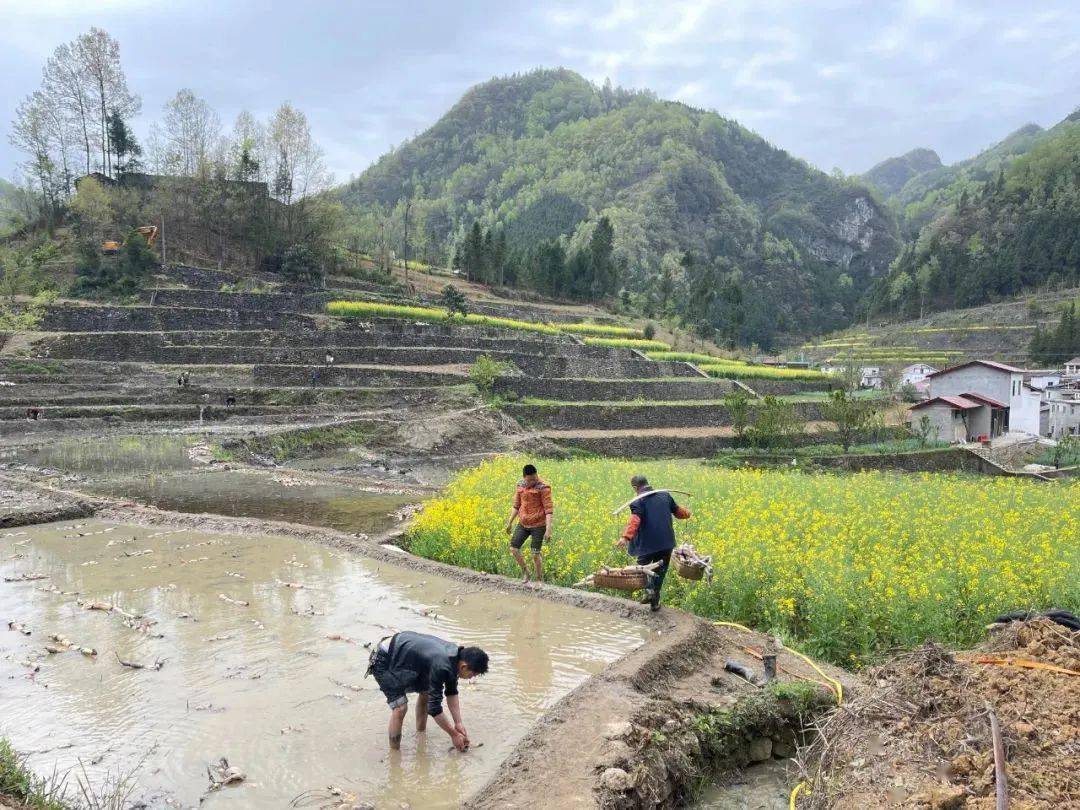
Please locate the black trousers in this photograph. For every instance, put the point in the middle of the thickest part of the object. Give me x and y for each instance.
(656, 581)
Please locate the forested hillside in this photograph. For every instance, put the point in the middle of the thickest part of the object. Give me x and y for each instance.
(710, 223)
(1008, 221)
(893, 174)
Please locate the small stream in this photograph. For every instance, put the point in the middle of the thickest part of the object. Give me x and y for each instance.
(764, 786)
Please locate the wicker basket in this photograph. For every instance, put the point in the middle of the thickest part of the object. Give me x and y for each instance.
(620, 580)
(687, 570)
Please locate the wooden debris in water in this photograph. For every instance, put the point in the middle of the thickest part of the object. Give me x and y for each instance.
(232, 601)
(19, 627)
(224, 774)
(26, 578)
(158, 663)
(295, 585)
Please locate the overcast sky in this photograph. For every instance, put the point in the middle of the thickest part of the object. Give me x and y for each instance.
(838, 82)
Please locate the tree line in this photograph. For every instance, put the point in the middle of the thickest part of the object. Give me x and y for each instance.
(239, 196)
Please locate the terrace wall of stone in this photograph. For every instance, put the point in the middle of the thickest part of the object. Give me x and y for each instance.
(620, 446)
(354, 376)
(64, 318)
(615, 366)
(787, 387)
(267, 346)
(625, 417)
(597, 390)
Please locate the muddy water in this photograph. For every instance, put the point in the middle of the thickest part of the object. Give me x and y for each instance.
(109, 455)
(275, 495)
(262, 684)
(765, 786)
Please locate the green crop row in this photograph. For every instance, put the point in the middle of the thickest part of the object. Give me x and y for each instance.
(692, 357)
(730, 371)
(626, 343)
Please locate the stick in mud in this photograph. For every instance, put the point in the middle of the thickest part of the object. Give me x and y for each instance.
(158, 664)
(1001, 785)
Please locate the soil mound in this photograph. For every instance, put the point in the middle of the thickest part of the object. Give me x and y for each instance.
(920, 736)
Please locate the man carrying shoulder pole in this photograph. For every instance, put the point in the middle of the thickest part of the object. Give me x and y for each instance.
(532, 509)
(650, 533)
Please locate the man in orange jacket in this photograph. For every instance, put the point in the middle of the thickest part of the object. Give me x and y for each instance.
(533, 510)
(650, 533)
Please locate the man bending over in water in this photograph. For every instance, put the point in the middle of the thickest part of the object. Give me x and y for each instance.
(428, 665)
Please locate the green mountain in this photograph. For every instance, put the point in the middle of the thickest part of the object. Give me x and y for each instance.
(926, 195)
(1003, 223)
(893, 174)
(711, 223)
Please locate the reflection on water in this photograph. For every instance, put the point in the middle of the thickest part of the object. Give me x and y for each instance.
(250, 493)
(262, 684)
(122, 455)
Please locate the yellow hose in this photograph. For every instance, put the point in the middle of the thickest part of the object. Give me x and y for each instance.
(795, 794)
(837, 687)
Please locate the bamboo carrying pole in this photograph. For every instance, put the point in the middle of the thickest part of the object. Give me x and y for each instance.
(647, 494)
(1001, 784)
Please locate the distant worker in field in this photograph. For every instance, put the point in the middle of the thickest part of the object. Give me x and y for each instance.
(650, 533)
(533, 510)
(329, 359)
(429, 666)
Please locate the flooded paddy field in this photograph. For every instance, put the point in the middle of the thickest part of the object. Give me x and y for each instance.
(260, 640)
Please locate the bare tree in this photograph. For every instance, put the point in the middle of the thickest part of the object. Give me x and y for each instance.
(99, 57)
(300, 172)
(66, 83)
(31, 132)
(188, 139)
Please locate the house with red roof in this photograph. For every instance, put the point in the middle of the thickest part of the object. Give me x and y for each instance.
(978, 401)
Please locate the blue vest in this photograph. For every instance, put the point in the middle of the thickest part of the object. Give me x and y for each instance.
(656, 532)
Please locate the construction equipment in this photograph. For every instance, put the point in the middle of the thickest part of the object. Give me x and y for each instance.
(148, 232)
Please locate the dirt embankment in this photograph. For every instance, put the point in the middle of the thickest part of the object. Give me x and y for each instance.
(921, 737)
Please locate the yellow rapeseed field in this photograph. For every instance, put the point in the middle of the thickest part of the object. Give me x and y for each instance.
(847, 565)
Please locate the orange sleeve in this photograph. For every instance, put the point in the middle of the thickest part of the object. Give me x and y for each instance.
(545, 497)
(681, 512)
(631, 527)
(517, 498)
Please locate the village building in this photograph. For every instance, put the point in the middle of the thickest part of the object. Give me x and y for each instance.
(978, 401)
(916, 373)
(1072, 367)
(1062, 413)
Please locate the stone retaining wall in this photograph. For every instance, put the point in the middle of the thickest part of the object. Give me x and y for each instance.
(268, 346)
(625, 417)
(669, 446)
(611, 367)
(586, 390)
(354, 376)
(786, 387)
(62, 318)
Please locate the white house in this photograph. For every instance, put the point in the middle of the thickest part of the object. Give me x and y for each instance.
(1063, 416)
(916, 373)
(1072, 367)
(1016, 403)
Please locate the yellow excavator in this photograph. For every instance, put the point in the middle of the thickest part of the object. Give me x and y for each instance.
(148, 232)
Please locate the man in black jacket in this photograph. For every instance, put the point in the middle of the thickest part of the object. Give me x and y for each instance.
(650, 533)
(428, 665)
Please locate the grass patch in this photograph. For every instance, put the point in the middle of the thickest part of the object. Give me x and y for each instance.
(375, 309)
(17, 781)
(845, 565)
(294, 444)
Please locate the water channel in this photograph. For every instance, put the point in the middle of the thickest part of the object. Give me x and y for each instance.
(261, 639)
